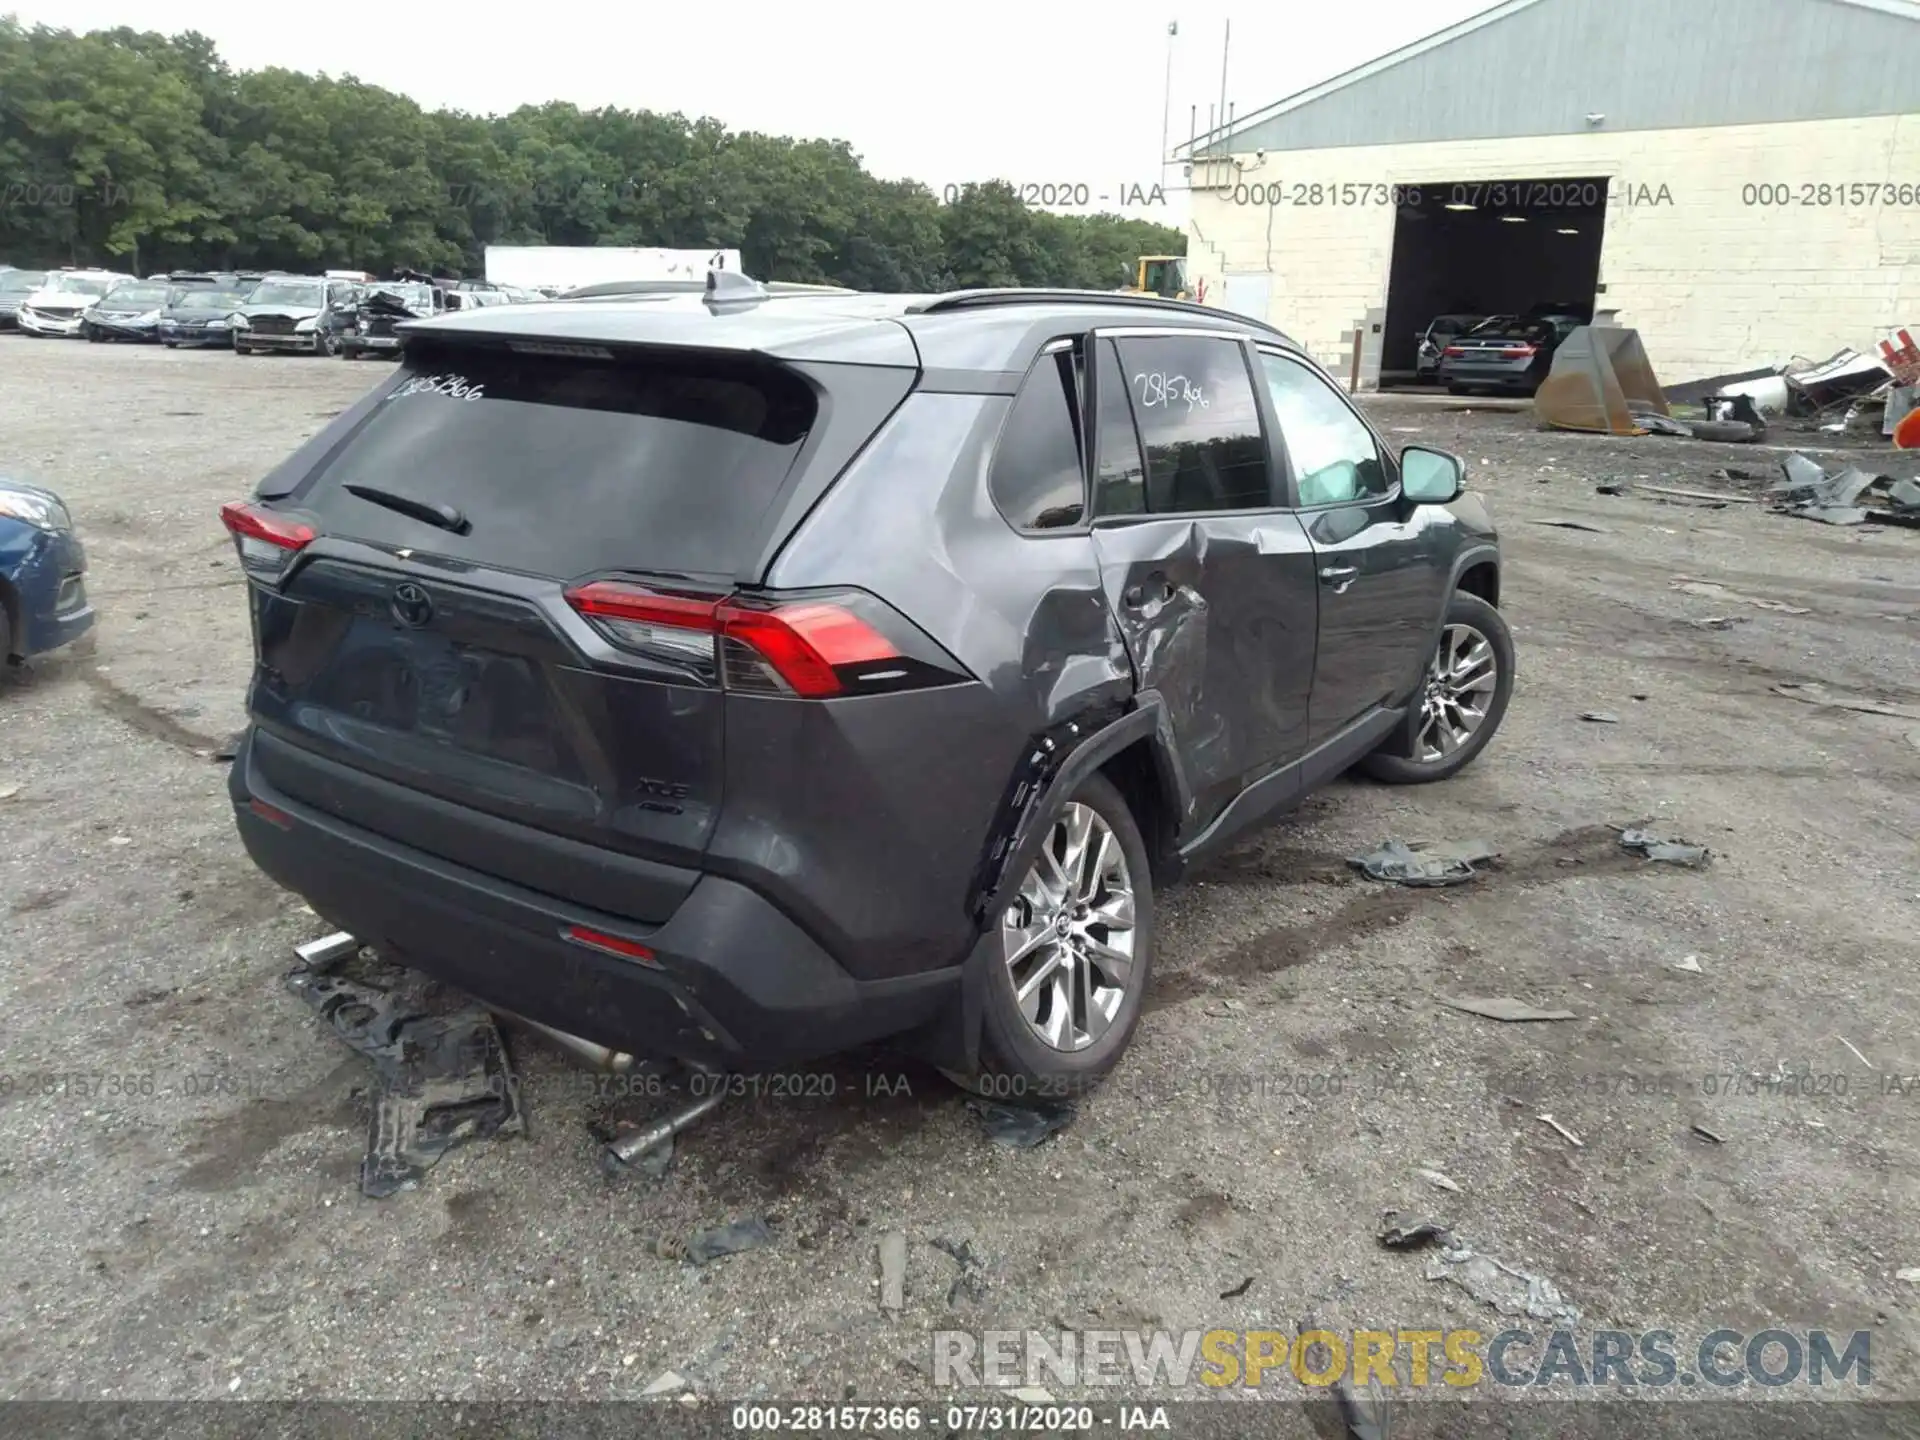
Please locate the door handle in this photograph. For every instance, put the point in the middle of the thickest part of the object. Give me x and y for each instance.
(1338, 577)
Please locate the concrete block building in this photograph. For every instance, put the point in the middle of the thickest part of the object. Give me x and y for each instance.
(1739, 180)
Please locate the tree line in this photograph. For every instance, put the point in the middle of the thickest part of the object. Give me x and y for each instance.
(146, 152)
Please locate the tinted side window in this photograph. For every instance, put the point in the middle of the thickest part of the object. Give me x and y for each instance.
(1120, 487)
(1199, 423)
(1037, 481)
(1333, 454)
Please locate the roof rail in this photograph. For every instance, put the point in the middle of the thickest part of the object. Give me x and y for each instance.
(977, 299)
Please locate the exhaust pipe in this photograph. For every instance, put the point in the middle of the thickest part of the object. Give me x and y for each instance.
(629, 1148)
(597, 1057)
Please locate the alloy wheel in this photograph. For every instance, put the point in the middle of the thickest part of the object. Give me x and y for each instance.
(1069, 934)
(1460, 685)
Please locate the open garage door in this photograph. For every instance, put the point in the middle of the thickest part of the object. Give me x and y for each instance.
(1466, 249)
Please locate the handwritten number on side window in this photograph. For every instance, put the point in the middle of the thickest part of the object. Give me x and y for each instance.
(1159, 388)
(456, 386)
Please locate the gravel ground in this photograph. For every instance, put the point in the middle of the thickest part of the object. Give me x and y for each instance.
(208, 1239)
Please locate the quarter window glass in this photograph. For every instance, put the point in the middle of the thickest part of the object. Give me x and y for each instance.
(1121, 488)
(1037, 480)
(1332, 451)
(1199, 422)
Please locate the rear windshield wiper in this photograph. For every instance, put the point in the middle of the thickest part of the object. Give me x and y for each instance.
(445, 516)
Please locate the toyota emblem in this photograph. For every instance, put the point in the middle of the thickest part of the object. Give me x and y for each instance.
(412, 605)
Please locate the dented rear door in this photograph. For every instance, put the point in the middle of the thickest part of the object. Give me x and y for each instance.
(1211, 580)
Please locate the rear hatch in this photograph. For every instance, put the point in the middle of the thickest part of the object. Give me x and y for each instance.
(427, 665)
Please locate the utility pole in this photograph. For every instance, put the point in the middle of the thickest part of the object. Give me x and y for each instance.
(1166, 104)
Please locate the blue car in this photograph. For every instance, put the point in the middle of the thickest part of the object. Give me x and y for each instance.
(43, 574)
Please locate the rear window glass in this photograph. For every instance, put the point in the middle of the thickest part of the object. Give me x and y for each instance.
(564, 466)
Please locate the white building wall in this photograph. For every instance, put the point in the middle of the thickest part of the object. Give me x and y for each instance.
(1713, 279)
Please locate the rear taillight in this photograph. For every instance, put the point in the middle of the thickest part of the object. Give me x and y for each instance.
(1454, 350)
(1516, 352)
(267, 542)
(811, 648)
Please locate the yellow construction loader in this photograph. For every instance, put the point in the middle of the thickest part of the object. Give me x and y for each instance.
(1162, 275)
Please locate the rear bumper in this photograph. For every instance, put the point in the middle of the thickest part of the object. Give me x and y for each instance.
(736, 985)
(1505, 377)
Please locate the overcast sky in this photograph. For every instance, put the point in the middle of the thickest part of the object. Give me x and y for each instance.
(1060, 91)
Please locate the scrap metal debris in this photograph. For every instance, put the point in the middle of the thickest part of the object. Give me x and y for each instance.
(893, 1272)
(1425, 863)
(1814, 693)
(1565, 1134)
(1020, 1127)
(1706, 1134)
(1438, 1180)
(1238, 1290)
(1502, 1007)
(444, 1079)
(1689, 963)
(1572, 525)
(667, 1382)
(1718, 622)
(1835, 497)
(1508, 1290)
(1658, 847)
(1397, 1233)
(704, 1246)
(1856, 1052)
(1911, 1273)
(1600, 717)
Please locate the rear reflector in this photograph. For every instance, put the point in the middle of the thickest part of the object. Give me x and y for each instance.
(267, 542)
(1453, 350)
(272, 816)
(609, 944)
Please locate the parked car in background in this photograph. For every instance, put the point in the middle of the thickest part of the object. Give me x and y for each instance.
(224, 280)
(1433, 340)
(43, 574)
(539, 740)
(381, 307)
(55, 309)
(200, 315)
(292, 312)
(1505, 353)
(129, 311)
(15, 286)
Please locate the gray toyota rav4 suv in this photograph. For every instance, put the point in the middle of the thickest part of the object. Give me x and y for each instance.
(736, 679)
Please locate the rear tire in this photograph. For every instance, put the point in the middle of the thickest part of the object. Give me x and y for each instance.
(1444, 735)
(1082, 926)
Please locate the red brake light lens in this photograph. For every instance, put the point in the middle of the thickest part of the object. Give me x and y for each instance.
(1516, 352)
(610, 944)
(810, 649)
(267, 542)
(1453, 350)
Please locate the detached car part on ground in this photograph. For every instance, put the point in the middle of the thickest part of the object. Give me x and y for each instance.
(602, 671)
(43, 574)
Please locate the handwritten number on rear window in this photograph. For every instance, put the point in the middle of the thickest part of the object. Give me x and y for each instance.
(1160, 388)
(456, 386)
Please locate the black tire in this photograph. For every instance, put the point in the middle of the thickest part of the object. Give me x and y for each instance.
(1453, 389)
(93, 335)
(6, 634)
(1397, 761)
(1016, 1065)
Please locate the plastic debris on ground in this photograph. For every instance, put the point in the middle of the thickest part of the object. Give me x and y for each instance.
(443, 1079)
(1508, 1290)
(1600, 717)
(1425, 863)
(1020, 1127)
(1501, 1007)
(893, 1272)
(1659, 847)
(1720, 592)
(1833, 497)
(1572, 525)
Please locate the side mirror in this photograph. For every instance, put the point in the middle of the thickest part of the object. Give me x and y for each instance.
(1431, 477)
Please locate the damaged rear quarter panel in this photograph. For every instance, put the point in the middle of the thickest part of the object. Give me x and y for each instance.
(911, 522)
